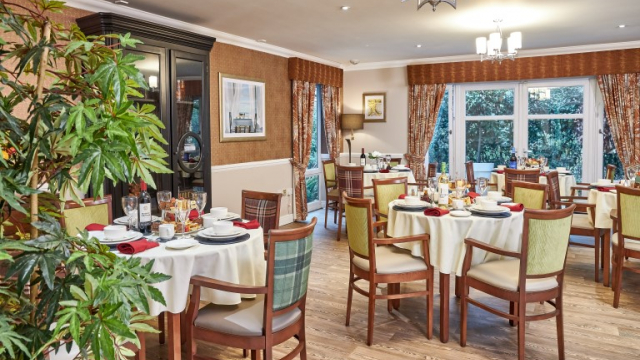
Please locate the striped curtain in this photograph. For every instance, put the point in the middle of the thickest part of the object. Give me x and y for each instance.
(621, 94)
(424, 105)
(302, 107)
(331, 111)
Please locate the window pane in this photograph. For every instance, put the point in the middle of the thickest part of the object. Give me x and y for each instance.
(610, 154)
(560, 141)
(313, 159)
(313, 188)
(439, 148)
(489, 102)
(489, 141)
(556, 100)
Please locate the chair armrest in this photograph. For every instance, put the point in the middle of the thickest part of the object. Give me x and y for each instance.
(207, 282)
(570, 198)
(378, 213)
(368, 187)
(399, 240)
(614, 214)
(379, 224)
(490, 248)
(569, 203)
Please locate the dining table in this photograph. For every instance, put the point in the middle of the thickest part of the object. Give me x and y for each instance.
(605, 202)
(446, 245)
(566, 181)
(370, 175)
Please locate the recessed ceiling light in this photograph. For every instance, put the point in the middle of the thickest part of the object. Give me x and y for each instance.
(354, 61)
(419, 45)
(345, 8)
(622, 26)
(261, 40)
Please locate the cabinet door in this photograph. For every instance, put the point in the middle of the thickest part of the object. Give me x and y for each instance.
(190, 124)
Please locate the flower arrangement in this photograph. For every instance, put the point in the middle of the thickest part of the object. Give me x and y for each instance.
(375, 155)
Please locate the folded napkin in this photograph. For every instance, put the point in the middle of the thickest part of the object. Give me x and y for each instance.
(436, 212)
(513, 206)
(402, 196)
(383, 171)
(192, 215)
(135, 247)
(605, 189)
(253, 224)
(500, 171)
(95, 227)
(473, 195)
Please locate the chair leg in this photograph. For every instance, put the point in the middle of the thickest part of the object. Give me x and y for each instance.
(349, 296)
(302, 338)
(326, 213)
(396, 302)
(560, 327)
(430, 289)
(371, 312)
(522, 308)
(513, 310)
(464, 308)
(617, 275)
(161, 336)
(339, 221)
(244, 353)
(335, 213)
(142, 351)
(597, 255)
(390, 291)
(255, 354)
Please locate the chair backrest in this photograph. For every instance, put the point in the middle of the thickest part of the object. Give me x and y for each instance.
(433, 167)
(288, 263)
(531, 175)
(471, 178)
(554, 189)
(329, 168)
(545, 240)
(387, 190)
(395, 162)
(350, 180)
(532, 196)
(262, 206)
(611, 172)
(360, 235)
(628, 212)
(92, 211)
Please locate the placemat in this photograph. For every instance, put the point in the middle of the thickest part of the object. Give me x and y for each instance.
(409, 209)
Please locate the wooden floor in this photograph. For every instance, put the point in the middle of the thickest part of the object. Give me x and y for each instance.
(593, 328)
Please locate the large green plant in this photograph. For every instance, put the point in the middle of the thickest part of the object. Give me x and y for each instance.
(68, 120)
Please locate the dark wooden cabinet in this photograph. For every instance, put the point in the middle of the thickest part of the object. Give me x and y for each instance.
(176, 66)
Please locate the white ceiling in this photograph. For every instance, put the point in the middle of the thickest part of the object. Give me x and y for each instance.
(375, 31)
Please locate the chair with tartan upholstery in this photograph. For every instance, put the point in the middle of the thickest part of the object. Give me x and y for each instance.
(534, 274)
(332, 196)
(376, 260)
(350, 180)
(262, 206)
(531, 196)
(511, 175)
(626, 237)
(277, 314)
(432, 170)
(92, 211)
(384, 192)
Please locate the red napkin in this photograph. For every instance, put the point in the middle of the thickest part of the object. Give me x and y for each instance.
(604, 189)
(402, 196)
(383, 171)
(436, 212)
(473, 195)
(135, 247)
(500, 171)
(95, 227)
(253, 224)
(513, 206)
(192, 215)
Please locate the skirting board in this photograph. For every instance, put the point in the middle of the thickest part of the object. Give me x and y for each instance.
(287, 219)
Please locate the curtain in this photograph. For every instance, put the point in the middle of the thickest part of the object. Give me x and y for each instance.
(621, 94)
(424, 105)
(303, 96)
(331, 111)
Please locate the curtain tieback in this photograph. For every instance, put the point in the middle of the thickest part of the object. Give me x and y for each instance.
(300, 166)
(415, 159)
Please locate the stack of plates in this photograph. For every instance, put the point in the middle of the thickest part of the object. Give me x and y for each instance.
(503, 199)
(208, 234)
(125, 220)
(229, 216)
(129, 236)
(401, 205)
(493, 211)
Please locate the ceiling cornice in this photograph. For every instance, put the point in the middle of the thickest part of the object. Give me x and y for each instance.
(221, 37)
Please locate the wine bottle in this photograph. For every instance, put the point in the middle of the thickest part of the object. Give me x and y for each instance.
(144, 210)
(513, 160)
(363, 159)
(443, 178)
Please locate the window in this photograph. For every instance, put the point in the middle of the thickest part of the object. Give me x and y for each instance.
(439, 147)
(609, 152)
(313, 179)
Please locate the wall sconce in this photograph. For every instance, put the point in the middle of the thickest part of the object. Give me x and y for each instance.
(351, 122)
(153, 82)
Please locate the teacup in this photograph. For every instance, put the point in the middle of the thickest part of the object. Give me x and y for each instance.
(458, 204)
(412, 200)
(166, 231)
(208, 220)
(222, 227)
(494, 195)
(488, 204)
(604, 182)
(218, 212)
(115, 231)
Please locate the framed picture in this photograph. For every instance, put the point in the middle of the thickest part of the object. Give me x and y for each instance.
(375, 107)
(242, 109)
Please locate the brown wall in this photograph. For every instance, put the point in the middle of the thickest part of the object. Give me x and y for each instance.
(233, 60)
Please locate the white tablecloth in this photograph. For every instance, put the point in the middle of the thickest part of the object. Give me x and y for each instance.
(566, 182)
(370, 176)
(605, 202)
(448, 233)
(240, 263)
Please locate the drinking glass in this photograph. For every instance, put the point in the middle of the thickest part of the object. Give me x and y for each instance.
(631, 174)
(164, 198)
(201, 201)
(482, 185)
(129, 204)
(432, 183)
(183, 208)
(461, 186)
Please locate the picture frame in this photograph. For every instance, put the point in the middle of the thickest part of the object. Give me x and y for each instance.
(242, 108)
(374, 107)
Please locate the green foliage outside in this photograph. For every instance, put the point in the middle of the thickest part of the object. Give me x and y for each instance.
(313, 159)
(313, 188)
(439, 148)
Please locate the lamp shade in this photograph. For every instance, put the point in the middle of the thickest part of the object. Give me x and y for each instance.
(352, 121)
(481, 45)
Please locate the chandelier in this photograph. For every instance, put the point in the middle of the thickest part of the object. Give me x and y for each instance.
(434, 3)
(492, 49)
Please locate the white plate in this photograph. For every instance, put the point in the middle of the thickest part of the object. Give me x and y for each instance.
(130, 236)
(610, 185)
(181, 244)
(496, 210)
(229, 216)
(503, 199)
(459, 213)
(418, 205)
(125, 220)
(209, 234)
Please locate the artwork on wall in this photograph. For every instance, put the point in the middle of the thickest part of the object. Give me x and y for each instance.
(375, 107)
(242, 109)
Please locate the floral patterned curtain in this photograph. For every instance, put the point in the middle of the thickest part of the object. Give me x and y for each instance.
(621, 93)
(424, 105)
(331, 109)
(303, 97)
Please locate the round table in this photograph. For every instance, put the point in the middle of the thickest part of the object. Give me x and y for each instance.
(566, 182)
(605, 202)
(368, 176)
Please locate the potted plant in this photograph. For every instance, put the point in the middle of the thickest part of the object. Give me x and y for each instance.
(68, 121)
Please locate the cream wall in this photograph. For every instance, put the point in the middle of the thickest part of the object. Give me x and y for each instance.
(389, 137)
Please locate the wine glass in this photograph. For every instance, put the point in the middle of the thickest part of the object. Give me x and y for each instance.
(431, 183)
(129, 205)
(631, 174)
(482, 185)
(461, 185)
(183, 208)
(164, 198)
(201, 201)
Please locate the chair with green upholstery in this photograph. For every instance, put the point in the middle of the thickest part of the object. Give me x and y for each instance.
(91, 211)
(626, 237)
(384, 192)
(531, 195)
(276, 315)
(332, 196)
(395, 161)
(533, 275)
(376, 261)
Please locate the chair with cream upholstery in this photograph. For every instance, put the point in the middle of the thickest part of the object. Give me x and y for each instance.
(376, 261)
(384, 192)
(532, 196)
(533, 275)
(91, 211)
(276, 315)
(511, 175)
(331, 194)
(626, 237)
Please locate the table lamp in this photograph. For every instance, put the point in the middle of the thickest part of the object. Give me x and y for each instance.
(351, 122)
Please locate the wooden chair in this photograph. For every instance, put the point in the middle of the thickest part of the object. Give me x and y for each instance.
(395, 161)
(332, 196)
(375, 263)
(532, 196)
(626, 237)
(536, 274)
(610, 174)
(581, 223)
(471, 178)
(276, 315)
(92, 211)
(529, 175)
(432, 170)
(384, 192)
(262, 206)
(350, 181)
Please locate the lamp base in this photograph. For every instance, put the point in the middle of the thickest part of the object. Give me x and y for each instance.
(349, 144)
